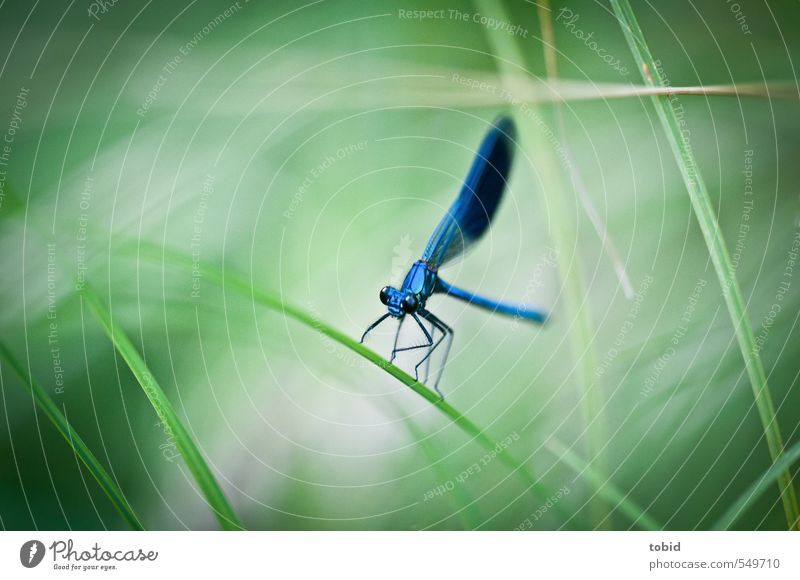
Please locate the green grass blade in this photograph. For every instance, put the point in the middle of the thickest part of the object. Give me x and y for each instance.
(561, 90)
(166, 413)
(551, 66)
(433, 86)
(11, 202)
(770, 476)
(706, 217)
(569, 90)
(240, 284)
(534, 126)
(81, 450)
(602, 485)
(468, 514)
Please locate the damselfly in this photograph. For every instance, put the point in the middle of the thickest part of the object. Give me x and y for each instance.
(465, 222)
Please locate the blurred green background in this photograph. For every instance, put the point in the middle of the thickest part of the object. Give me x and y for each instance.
(312, 149)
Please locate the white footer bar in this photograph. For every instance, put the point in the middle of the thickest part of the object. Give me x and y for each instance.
(406, 555)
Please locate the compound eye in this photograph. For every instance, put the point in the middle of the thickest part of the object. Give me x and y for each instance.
(385, 295)
(409, 303)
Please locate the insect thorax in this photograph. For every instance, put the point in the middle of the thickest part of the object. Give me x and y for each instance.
(419, 281)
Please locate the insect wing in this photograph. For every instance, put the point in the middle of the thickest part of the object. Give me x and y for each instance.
(472, 211)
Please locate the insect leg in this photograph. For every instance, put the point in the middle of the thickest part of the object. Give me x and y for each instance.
(373, 325)
(428, 360)
(427, 337)
(396, 336)
(447, 332)
(444, 359)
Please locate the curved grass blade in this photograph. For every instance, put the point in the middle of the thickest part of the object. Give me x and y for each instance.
(601, 483)
(703, 210)
(240, 284)
(534, 125)
(559, 90)
(739, 507)
(471, 88)
(166, 413)
(551, 65)
(468, 514)
(81, 450)
(11, 202)
(573, 91)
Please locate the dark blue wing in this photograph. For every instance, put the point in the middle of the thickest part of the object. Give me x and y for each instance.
(472, 211)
